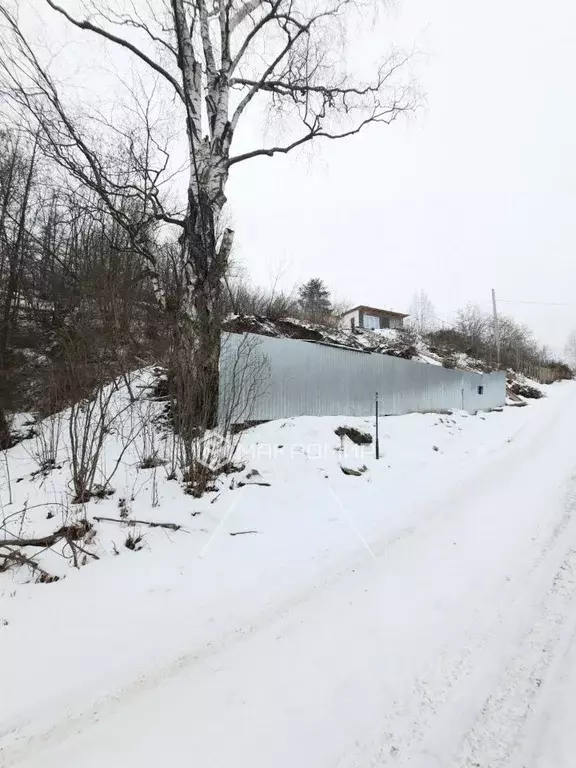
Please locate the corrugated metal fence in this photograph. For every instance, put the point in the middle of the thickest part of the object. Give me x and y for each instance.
(269, 378)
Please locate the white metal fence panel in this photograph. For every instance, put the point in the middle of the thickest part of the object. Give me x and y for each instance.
(289, 377)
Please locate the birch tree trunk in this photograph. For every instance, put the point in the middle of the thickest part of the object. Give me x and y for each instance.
(198, 329)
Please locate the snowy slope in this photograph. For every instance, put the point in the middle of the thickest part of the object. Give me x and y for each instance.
(415, 614)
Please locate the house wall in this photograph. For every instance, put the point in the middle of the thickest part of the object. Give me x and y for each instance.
(345, 320)
(297, 378)
(358, 315)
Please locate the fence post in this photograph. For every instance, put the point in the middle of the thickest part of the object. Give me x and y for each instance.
(377, 431)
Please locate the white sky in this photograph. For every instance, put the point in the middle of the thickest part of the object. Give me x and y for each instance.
(476, 191)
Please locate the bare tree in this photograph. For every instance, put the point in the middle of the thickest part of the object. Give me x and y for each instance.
(18, 176)
(475, 327)
(570, 349)
(422, 313)
(217, 60)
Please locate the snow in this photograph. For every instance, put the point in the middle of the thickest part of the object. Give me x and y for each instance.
(418, 614)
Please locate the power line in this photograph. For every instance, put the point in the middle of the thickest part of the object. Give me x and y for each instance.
(541, 303)
(443, 322)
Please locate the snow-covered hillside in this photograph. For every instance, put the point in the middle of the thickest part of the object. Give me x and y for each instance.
(298, 613)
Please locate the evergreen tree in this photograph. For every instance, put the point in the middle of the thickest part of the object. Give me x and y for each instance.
(314, 298)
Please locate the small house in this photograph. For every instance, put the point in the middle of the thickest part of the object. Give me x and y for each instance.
(371, 318)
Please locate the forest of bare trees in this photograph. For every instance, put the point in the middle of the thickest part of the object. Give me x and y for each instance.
(76, 299)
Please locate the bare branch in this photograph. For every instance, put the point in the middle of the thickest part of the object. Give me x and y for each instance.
(269, 70)
(88, 26)
(136, 22)
(130, 522)
(387, 117)
(244, 12)
(254, 32)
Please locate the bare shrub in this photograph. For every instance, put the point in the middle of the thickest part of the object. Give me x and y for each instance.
(245, 371)
(151, 462)
(134, 541)
(272, 303)
(200, 454)
(88, 426)
(408, 336)
(47, 441)
(98, 390)
(148, 445)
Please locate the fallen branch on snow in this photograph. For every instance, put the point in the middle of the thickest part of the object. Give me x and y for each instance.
(18, 558)
(11, 549)
(149, 523)
(68, 532)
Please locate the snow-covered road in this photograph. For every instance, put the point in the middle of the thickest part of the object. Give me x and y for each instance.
(450, 644)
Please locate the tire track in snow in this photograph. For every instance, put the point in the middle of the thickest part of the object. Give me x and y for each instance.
(495, 736)
(460, 670)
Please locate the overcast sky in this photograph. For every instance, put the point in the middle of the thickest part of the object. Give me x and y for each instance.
(478, 190)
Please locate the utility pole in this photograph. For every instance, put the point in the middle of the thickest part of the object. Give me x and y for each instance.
(377, 428)
(496, 328)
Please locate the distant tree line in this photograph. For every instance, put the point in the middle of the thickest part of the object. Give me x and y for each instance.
(472, 333)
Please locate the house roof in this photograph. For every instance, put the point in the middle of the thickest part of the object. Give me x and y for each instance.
(375, 311)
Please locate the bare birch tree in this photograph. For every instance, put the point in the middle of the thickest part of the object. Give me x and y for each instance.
(217, 59)
(422, 312)
(570, 349)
